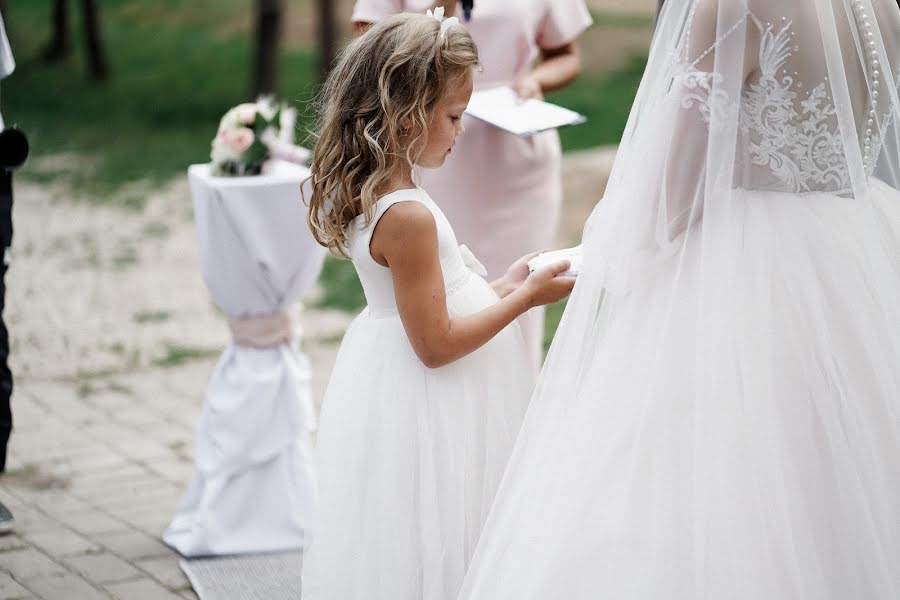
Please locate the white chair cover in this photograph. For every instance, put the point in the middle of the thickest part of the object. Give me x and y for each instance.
(254, 486)
(7, 62)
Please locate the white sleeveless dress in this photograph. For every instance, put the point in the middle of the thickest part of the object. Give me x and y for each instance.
(409, 458)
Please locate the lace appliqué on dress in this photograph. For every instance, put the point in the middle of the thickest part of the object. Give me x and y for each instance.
(700, 89)
(802, 149)
(703, 91)
(797, 141)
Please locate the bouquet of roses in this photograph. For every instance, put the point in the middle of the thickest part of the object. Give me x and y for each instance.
(247, 134)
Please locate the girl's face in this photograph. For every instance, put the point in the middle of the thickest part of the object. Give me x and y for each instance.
(446, 124)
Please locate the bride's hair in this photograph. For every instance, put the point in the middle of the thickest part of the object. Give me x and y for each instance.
(374, 113)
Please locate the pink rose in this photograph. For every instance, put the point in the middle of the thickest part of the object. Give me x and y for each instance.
(246, 113)
(221, 148)
(237, 140)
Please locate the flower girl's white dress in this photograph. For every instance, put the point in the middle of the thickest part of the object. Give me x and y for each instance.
(409, 457)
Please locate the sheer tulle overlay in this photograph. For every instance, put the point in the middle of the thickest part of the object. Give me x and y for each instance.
(410, 458)
(719, 416)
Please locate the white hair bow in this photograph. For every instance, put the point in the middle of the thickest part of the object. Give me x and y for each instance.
(438, 14)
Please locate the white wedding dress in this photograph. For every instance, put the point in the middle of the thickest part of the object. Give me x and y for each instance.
(719, 416)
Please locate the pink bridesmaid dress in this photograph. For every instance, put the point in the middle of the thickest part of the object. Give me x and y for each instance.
(502, 193)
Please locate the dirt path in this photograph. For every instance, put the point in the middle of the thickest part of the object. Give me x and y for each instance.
(95, 289)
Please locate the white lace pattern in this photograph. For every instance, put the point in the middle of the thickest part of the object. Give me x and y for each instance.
(796, 140)
(803, 150)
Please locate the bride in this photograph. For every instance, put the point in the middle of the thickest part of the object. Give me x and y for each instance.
(719, 416)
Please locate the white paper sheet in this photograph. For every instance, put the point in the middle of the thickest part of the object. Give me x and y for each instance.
(502, 107)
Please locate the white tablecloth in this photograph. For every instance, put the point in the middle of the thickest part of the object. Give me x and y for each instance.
(254, 485)
(7, 62)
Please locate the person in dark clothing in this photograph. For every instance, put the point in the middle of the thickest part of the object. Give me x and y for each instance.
(13, 151)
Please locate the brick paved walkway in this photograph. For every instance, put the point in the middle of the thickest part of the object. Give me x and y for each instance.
(94, 474)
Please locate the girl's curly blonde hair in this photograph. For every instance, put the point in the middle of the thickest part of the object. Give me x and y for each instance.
(393, 74)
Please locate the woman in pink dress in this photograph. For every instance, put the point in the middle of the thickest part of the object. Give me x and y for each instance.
(502, 193)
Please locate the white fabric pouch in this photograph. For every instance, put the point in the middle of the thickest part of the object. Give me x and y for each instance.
(573, 255)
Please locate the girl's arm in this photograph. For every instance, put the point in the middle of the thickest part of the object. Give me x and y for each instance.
(558, 68)
(405, 240)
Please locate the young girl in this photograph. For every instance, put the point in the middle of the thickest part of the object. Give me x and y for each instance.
(431, 382)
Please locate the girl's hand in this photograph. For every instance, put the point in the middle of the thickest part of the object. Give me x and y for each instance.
(528, 87)
(545, 286)
(514, 277)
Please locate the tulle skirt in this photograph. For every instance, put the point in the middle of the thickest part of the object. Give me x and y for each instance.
(728, 429)
(410, 458)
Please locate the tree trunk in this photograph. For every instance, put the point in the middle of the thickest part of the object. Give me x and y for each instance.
(96, 55)
(328, 37)
(268, 38)
(60, 45)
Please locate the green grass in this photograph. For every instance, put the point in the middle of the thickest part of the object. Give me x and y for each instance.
(606, 19)
(605, 100)
(151, 316)
(551, 322)
(341, 287)
(177, 354)
(170, 84)
(174, 75)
